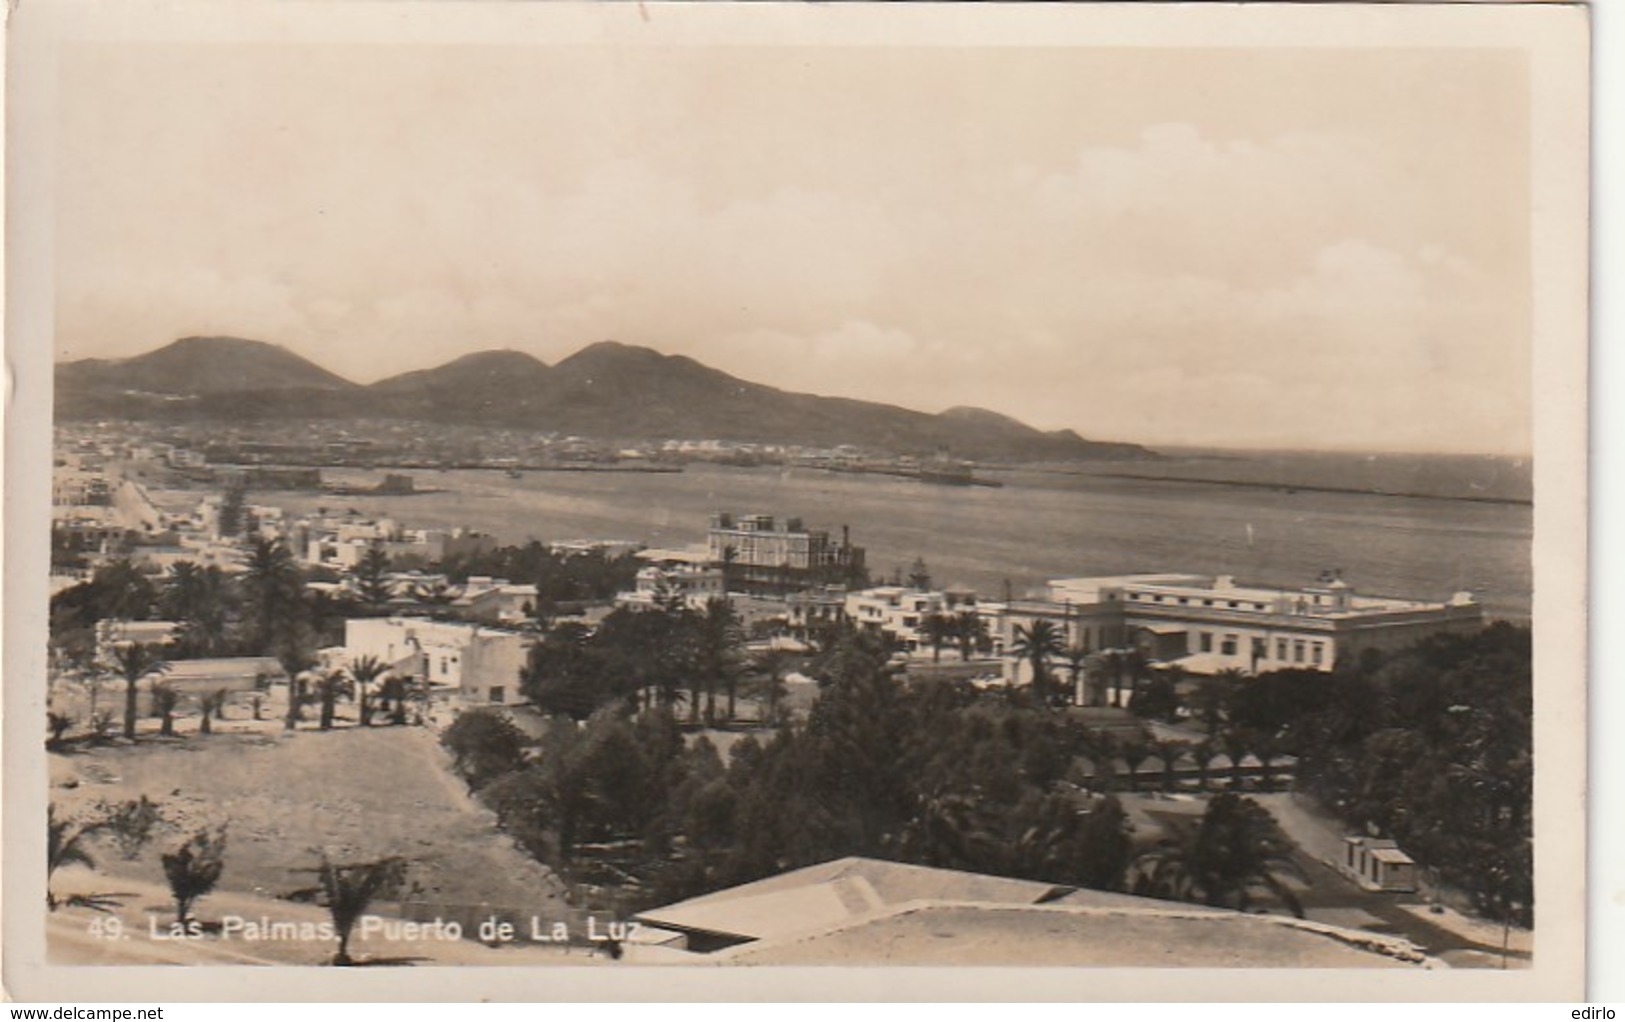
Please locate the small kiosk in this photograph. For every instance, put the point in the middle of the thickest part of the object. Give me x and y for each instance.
(1377, 864)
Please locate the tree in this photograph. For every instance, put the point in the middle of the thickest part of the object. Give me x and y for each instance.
(212, 707)
(1203, 752)
(164, 701)
(1169, 751)
(364, 670)
(484, 745)
(564, 672)
(330, 687)
(1077, 658)
(231, 508)
(348, 889)
(275, 593)
(1158, 698)
(919, 576)
(372, 577)
(435, 593)
(65, 845)
(194, 868)
(1038, 642)
(770, 691)
(201, 600)
(1134, 751)
(1236, 744)
(720, 640)
(938, 630)
(971, 632)
(1214, 694)
(132, 823)
(1236, 849)
(58, 724)
(135, 661)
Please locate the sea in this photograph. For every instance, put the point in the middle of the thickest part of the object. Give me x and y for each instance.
(1410, 526)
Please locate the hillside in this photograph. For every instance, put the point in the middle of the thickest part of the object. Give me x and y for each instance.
(198, 366)
(363, 793)
(607, 390)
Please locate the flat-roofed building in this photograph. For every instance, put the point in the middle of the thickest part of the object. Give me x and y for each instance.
(674, 576)
(1209, 623)
(481, 663)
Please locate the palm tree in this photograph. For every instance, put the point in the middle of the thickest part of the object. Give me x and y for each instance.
(276, 591)
(349, 889)
(58, 724)
(1134, 751)
(1236, 744)
(136, 660)
(181, 589)
(1077, 656)
(194, 868)
(1203, 751)
(330, 686)
(1267, 747)
(212, 707)
(435, 593)
(938, 630)
(773, 666)
(1138, 668)
(1168, 750)
(1037, 642)
(363, 671)
(971, 631)
(164, 701)
(1236, 849)
(720, 640)
(65, 845)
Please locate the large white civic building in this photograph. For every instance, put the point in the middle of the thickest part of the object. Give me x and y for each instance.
(1208, 623)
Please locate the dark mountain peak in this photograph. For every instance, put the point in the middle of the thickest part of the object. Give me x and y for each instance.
(612, 354)
(498, 360)
(483, 378)
(214, 346)
(970, 415)
(611, 363)
(193, 366)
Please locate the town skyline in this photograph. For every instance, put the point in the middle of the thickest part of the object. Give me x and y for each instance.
(1303, 252)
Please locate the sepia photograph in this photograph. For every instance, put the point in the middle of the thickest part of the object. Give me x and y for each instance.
(586, 488)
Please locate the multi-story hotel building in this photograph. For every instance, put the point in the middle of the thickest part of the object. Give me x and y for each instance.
(764, 556)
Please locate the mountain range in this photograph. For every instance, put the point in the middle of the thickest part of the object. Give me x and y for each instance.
(606, 390)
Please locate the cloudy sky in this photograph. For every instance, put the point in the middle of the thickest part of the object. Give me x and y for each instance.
(1226, 247)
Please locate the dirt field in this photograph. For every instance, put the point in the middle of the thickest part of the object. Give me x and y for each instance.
(358, 793)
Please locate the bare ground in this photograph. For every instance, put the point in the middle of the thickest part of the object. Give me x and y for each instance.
(358, 793)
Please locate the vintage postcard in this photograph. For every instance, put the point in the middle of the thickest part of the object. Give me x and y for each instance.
(533, 501)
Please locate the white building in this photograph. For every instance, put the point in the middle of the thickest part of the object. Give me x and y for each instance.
(480, 663)
(609, 548)
(1208, 623)
(902, 613)
(674, 575)
(495, 601)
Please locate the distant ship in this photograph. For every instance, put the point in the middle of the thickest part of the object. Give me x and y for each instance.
(954, 476)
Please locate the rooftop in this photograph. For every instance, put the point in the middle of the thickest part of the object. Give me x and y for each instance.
(858, 911)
